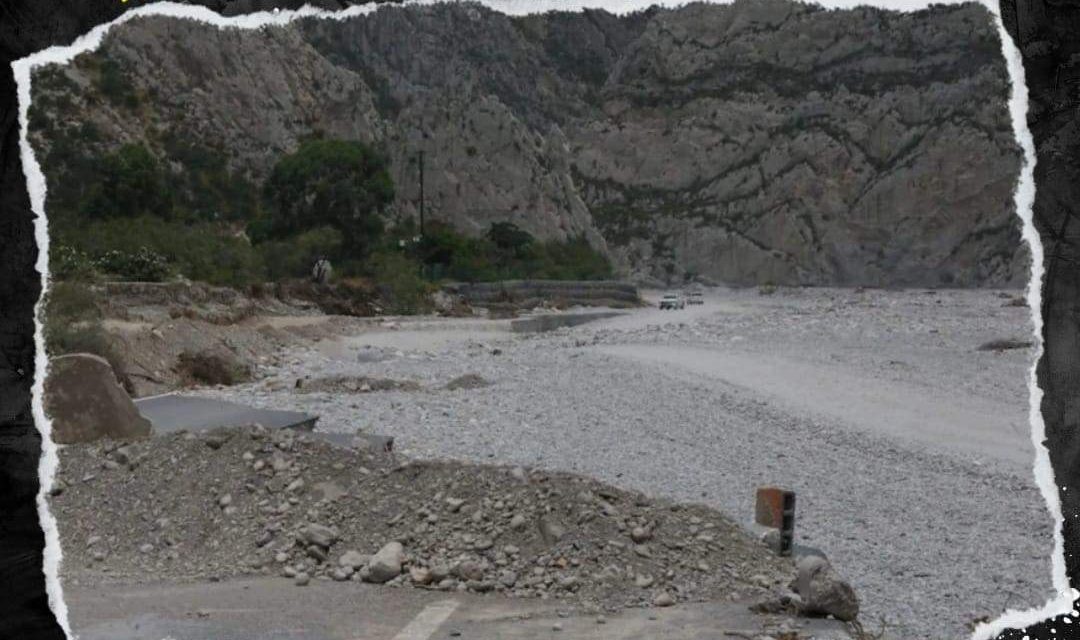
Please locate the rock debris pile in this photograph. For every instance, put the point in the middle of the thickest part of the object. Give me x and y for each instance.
(250, 501)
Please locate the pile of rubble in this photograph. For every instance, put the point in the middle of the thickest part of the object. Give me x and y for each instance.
(251, 501)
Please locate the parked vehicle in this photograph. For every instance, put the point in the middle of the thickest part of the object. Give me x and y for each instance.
(672, 301)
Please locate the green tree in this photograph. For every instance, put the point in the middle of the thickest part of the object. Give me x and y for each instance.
(339, 184)
(130, 184)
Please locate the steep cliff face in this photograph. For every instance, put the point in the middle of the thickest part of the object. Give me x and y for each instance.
(753, 142)
(786, 142)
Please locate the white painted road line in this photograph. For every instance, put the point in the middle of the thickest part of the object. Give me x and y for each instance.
(428, 621)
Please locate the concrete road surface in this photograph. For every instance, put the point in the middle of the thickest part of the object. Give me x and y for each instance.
(275, 609)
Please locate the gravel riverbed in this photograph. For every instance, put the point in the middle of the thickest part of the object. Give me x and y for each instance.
(932, 531)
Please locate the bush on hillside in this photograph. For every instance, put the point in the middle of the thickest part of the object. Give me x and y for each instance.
(141, 265)
(400, 283)
(130, 183)
(294, 257)
(205, 252)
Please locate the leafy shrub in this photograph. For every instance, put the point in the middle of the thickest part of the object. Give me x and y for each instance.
(211, 369)
(130, 183)
(505, 252)
(508, 237)
(115, 85)
(294, 257)
(142, 265)
(401, 285)
(205, 252)
(571, 260)
(206, 189)
(68, 263)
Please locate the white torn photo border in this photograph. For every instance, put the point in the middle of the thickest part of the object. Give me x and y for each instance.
(1023, 200)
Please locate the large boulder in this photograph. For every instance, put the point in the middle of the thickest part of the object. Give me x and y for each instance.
(85, 402)
(823, 591)
(386, 564)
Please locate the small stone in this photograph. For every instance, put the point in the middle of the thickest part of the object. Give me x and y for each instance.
(302, 579)
(420, 575)
(317, 552)
(215, 441)
(551, 530)
(469, 570)
(353, 559)
(440, 572)
(123, 456)
(663, 599)
(319, 535)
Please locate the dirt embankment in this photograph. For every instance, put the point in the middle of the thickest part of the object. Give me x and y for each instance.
(175, 334)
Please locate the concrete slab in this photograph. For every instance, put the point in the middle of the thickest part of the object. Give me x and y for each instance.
(173, 412)
(275, 609)
(368, 441)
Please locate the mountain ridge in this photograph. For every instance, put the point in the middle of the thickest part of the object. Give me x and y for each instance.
(745, 143)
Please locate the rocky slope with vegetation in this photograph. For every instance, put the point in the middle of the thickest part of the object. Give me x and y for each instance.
(748, 143)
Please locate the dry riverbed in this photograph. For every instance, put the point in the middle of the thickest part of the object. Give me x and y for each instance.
(902, 429)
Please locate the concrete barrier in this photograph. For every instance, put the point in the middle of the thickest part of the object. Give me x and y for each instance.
(532, 292)
(552, 321)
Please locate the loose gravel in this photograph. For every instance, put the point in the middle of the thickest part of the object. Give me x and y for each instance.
(931, 540)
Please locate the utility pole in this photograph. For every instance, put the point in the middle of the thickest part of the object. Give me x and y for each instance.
(421, 193)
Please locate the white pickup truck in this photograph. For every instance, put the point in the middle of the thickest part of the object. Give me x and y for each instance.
(672, 301)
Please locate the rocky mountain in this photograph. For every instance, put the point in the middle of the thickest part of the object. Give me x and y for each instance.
(762, 141)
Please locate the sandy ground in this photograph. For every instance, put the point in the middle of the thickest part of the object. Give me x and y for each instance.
(908, 447)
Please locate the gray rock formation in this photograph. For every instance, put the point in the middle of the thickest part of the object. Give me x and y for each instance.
(85, 402)
(763, 141)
